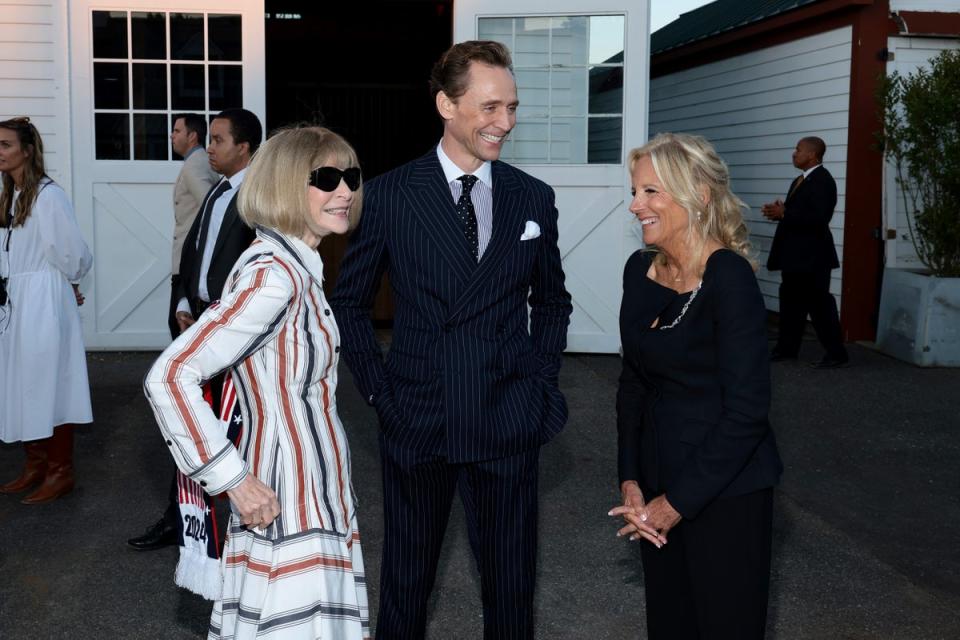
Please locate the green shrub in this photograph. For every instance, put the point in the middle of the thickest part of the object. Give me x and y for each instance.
(921, 135)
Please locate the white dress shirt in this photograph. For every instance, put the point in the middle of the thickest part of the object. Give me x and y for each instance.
(216, 219)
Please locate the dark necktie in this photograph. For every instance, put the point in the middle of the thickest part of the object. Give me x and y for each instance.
(205, 216)
(468, 215)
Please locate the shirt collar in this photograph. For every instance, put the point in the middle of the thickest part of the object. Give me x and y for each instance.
(309, 258)
(451, 171)
(237, 179)
(806, 174)
(192, 151)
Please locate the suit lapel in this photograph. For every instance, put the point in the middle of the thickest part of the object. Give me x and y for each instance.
(795, 188)
(507, 227)
(506, 220)
(230, 218)
(429, 193)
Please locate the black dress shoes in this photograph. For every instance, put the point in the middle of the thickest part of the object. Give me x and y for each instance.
(161, 534)
(779, 356)
(830, 362)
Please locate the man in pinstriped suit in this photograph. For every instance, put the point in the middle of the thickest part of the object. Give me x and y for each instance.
(468, 391)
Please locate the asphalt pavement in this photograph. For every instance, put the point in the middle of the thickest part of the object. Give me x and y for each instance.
(867, 519)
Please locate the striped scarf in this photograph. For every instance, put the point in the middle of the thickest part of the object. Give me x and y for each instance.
(198, 569)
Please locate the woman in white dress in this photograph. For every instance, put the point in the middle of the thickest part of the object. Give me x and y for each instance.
(292, 565)
(43, 367)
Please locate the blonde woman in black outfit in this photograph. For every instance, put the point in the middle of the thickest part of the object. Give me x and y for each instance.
(697, 457)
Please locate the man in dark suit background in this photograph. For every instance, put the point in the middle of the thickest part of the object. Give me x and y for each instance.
(468, 392)
(804, 251)
(216, 239)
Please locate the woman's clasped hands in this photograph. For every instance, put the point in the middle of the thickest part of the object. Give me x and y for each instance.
(651, 521)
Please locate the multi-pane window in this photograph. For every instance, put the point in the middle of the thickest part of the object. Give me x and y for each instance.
(569, 72)
(151, 65)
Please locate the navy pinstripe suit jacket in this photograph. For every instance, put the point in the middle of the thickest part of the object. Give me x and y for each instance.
(470, 374)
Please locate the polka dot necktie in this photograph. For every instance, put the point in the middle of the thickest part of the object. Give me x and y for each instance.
(468, 216)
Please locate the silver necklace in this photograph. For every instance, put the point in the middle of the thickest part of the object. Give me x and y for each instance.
(683, 310)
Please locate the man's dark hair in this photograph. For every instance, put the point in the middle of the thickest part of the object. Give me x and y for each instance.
(244, 127)
(194, 123)
(818, 145)
(451, 70)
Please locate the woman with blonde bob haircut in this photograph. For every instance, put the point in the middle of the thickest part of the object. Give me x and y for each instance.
(273, 195)
(697, 458)
(293, 551)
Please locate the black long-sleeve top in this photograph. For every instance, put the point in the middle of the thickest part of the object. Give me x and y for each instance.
(693, 400)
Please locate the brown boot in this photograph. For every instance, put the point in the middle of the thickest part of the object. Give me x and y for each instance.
(34, 470)
(59, 479)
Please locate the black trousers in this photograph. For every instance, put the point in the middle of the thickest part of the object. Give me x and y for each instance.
(501, 503)
(174, 299)
(711, 580)
(803, 294)
(172, 512)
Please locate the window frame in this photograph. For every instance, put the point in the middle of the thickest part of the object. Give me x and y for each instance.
(548, 119)
(167, 61)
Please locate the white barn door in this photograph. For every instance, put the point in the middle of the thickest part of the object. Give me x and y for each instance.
(133, 65)
(581, 70)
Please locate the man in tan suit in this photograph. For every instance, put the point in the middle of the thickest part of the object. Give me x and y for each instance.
(196, 177)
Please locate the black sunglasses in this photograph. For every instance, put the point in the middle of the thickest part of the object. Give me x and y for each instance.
(328, 178)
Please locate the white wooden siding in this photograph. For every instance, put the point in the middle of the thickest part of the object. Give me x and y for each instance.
(923, 5)
(909, 54)
(33, 76)
(754, 108)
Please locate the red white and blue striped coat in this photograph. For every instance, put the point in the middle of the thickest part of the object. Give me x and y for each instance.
(274, 331)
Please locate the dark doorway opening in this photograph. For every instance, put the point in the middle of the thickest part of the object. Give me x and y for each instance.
(359, 68)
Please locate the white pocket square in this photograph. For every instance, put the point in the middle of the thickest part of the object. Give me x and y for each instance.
(530, 231)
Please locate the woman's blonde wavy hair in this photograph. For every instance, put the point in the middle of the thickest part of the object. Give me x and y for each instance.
(685, 165)
(274, 190)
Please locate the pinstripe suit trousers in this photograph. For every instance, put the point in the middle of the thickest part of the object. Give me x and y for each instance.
(500, 500)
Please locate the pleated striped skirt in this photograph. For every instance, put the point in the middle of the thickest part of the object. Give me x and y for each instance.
(305, 585)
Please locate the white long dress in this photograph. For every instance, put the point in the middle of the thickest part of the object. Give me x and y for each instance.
(43, 365)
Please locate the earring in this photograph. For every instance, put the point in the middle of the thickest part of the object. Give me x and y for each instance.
(699, 216)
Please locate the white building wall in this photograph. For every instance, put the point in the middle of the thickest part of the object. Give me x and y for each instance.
(924, 5)
(34, 78)
(909, 54)
(754, 108)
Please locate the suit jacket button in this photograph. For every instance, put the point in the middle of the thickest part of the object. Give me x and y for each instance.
(169, 443)
(448, 327)
(326, 312)
(203, 483)
(336, 349)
